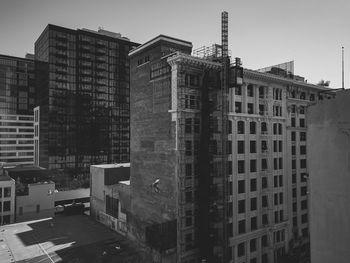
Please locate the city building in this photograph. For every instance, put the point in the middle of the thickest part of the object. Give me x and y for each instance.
(7, 199)
(184, 138)
(329, 182)
(34, 192)
(17, 95)
(109, 182)
(83, 95)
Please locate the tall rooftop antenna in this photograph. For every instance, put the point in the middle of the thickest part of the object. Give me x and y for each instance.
(224, 34)
(342, 67)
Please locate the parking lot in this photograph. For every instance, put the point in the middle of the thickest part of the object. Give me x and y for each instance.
(64, 239)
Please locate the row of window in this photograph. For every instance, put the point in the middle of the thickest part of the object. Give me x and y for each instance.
(277, 164)
(6, 191)
(277, 128)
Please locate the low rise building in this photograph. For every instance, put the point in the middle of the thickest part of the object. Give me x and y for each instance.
(7, 199)
(109, 186)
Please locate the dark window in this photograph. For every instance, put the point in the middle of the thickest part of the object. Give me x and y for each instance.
(275, 146)
(188, 125)
(280, 143)
(261, 92)
(294, 192)
(294, 164)
(250, 108)
(7, 191)
(281, 198)
(295, 207)
(263, 182)
(265, 219)
(241, 249)
(241, 206)
(241, 186)
(303, 218)
(302, 136)
(238, 90)
(264, 202)
(253, 260)
(280, 128)
(241, 166)
(253, 204)
(240, 127)
(7, 206)
(281, 180)
(252, 166)
(275, 199)
(188, 169)
(312, 97)
(241, 227)
(238, 107)
(263, 164)
(252, 245)
(281, 215)
(303, 149)
(303, 190)
(264, 241)
(229, 127)
(264, 258)
(252, 125)
(252, 146)
(253, 223)
(188, 148)
(293, 150)
(189, 218)
(188, 197)
(253, 185)
(294, 178)
(275, 128)
(261, 109)
(229, 167)
(229, 147)
(293, 122)
(275, 181)
(302, 122)
(303, 204)
(240, 147)
(295, 221)
(263, 128)
(293, 136)
(305, 232)
(250, 91)
(303, 163)
(280, 163)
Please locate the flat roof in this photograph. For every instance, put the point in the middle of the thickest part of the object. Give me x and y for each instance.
(159, 38)
(111, 165)
(5, 178)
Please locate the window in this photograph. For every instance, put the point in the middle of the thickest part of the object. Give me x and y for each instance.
(241, 166)
(294, 164)
(303, 163)
(265, 219)
(295, 207)
(275, 199)
(294, 178)
(275, 149)
(302, 110)
(252, 166)
(7, 191)
(302, 96)
(252, 126)
(250, 108)
(264, 241)
(0, 193)
(252, 146)
(229, 167)
(261, 109)
(280, 129)
(275, 163)
(303, 191)
(292, 122)
(303, 149)
(229, 126)
(312, 97)
(229, 147)
(295, 221)
(263, 164)
(303, 218)
(252, 245)
(189, 218)
(303, 204)
(241, 250)
(188, 125)
(253, 260)
(188, 148)
(294, 192)
(7, 206)
(188, 169)
(253, 204)
(281, 198)
(240, 127)
(188, 197)
(275, 128)
(6, 219)
(241, 226)
(250, 91)
(263, 128)
(188, 241)
(238, 90)
(238, 107)
(263, 146)
(253, 185)
(264, 258)
(280, 143)
(241, 186)
(264, 202)
(253, 223)
(275, 181)
(293, 150)
(261, 92)
(281, 215)
(241, 206)
(302, 136)
(281, 180)
(293, 136)
(302, 122)
(240, 147)
(280, 163)
(263, 182)
(305, 232)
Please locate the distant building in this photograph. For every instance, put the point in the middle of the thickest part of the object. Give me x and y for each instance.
(83, 94)
(108, 183)
(17, 95)
(35, 192)
(7, 199)
(329, 169)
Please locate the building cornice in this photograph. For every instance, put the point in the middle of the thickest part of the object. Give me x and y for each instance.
(181, 58)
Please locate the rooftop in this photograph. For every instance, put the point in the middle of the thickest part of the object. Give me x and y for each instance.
(111, 165)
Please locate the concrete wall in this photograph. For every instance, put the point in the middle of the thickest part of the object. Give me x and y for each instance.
(72, 194)
(41, 194)
(329, 168)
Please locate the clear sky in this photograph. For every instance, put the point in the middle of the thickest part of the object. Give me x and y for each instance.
(261, 32)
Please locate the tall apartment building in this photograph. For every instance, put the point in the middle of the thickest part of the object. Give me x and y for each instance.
(83, 95)
(254, 209)
(17, 100)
